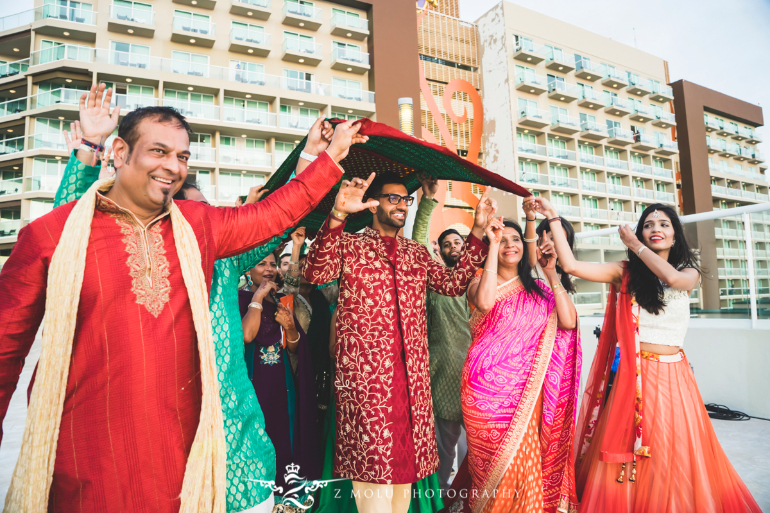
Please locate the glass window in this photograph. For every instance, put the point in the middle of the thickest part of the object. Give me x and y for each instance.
(612, 154)
(193, 22)
(590, 203)
(349, 89)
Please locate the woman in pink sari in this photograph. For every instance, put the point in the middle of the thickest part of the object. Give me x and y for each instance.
(519, 386)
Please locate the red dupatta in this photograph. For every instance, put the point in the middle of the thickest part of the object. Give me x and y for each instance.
(623, 436)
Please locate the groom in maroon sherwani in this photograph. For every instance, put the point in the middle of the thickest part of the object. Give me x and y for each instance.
(385, 433)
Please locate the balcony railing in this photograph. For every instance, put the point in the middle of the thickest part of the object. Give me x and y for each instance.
(663, 172)
(734, 292)
(719, 189)
(731, 252)
(620, 215)
(194, 109)
(668, 144)
(203, 154)
(352, 55)
(129, 102)
(298, 9)
(345, 20)
(532, 149)
(564, 88)
(61, 53)
(17, 20)
(644, 110)
(592, 186)
(589, 94)
(664, 196)
(534, 178)
(614, 74)
(296, 122)
(133, 14)
(591, 160)
(257, 37)
(716, 144)
(662, 89)
(561, 153)
(194, 26)
(594, 213)
(592, 126)
(746, 132)
(303, 46)
(566, 119)
(642, 169)
(615, 101)
(257, 3)
(47, 142)
(14, 145)
(643, 193)
(620, 133)
(749, 194)
(618, 189)
(43, 183)
(665, 116)
(641, 82)
(583, 64)
(531, 78)
(65, 95)
(12, 186)
(563, 181)
(245, 157)
(568, 210)
(733, 272)
(10, 228)
(10, 69)
(251, 116)
(528, 46)
(65, 13)
(534, 112)
(588, 298)
(616, 163)
(12, 107)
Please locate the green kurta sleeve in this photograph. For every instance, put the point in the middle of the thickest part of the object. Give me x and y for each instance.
(77, 178)
(421, 227)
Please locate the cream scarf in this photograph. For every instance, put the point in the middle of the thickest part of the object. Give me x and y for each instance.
(204, 485)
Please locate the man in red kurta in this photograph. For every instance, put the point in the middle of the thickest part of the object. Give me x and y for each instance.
(133, 395)
(385, 432)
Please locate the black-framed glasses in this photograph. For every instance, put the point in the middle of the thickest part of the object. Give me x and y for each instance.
(395, 199)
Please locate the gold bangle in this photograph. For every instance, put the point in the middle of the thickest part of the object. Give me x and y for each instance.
(556, 286)
(560, 292)
(339, 215)
(293, 341)
(490, 271)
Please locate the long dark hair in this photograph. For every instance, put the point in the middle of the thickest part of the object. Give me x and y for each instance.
(525, 270)
(643, 283)
(545, 227)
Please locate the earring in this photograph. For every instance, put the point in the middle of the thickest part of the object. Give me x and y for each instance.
(674, 242)
(248, 280)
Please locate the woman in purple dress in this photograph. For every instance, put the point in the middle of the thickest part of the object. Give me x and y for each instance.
(283, 374)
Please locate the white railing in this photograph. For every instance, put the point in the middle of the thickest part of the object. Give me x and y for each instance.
(129, 102)
(133, 14)
(61, 53)
(534, 178)
(296, 122)
(65, 13)
(665, 116)
(620, 133)
(662, 89)
(719, 189)
(10, 69)
(566, 119)
(254, 117)
(194, 27)
(645, 83)
(351, 55)
(17, 20)
(10, 228)
(561, 153)
(644, 110)
(566, 59)
(587, 298)
(662, 172)
(618, 189)
(593, 126)
(591, 160)
(13, 145)
(209, 191)
(534, 112)
(616, 101)
(595, 213)
(731, 252)
(194, 109)
(11, 186)
(344, 20)
(563, 88)
(532, 149)
(620, 215)
(568, 210)
(589, 94)
(645, 139)
(528, 46)
(257, 37)
(302, 46)
(563, 181)
(203, 153)
(614, 74)
(65, 95)
(583, 64)
(668, 144)
(668, 197)
(11, 107)
(641, 169)
(43, 183)
(716, 144)
(530, 78)
(643, 193)
(592, 186)
(616, 163)
(245, 157)
(749, 194)
(733, 272)
(47, 142)
(298, 9)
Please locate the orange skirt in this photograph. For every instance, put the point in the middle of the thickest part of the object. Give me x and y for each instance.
(688, 470)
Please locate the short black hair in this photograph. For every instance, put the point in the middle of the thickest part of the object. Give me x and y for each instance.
(445, 233)
(381, 181)
(128, 129)
(284, 255)
(181, 194)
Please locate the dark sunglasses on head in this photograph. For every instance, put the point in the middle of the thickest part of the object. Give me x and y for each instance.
(395, 199)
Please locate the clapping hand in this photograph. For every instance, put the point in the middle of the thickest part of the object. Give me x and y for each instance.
(96, 122)
(429, 185)
(350, 198)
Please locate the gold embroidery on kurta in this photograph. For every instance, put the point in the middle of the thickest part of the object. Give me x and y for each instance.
(147, 264)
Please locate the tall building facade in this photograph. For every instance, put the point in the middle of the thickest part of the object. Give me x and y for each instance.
(723, 167)
(251, 76)
(580, 119)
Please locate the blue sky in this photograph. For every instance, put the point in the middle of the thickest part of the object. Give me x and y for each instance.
(721, 45)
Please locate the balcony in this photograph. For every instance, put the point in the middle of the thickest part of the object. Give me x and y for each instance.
(748, 195)
(203, 154)
(531, 152)
(757, 157)
(662, 172)
(588, 70)
(302, 123)
(664, 119)
(194, 110)
(592, 130)
(731, 252)
(590, 159)
(742, 134)
(54, 20)
(128, 20)
(588, 298)
(528, 52)
(533, 178)
(590, 100)
(715, 145)
(12, 107)
(620, 136)
(127, 59)
(354, 61)
(641, 169)
(638, 192)
(752, 138)
(194, 32)
(563, 182)
(618, 190)
(642, 113)
(9, 228)
(250, 42)
(300, 15)
(43, 183)
(11, 69)
(529, 82)
(561, 154)
(344, 25)
(568, 210)
(202, 4)
(534, 118)
(565, 124)
(733, 272)
(726, 130)
(644, 142)
(594, 213)
(611, 78)
(61, 96)
(667, 147)
(62, 53)
(11, 146)
(661, 93)
(622, 216)
(303, 52)
(242, 157)
(592, 186)
(257, 9)
(250, 117)
(733, 191)
(50, 142)
(616, 164)
(639, 86)
(616, 106)
(17, 20)
(11, 187)
(561, 63)
(562, 92)
(347, 93)
(711, 124)
(129, 102)
(734, 292)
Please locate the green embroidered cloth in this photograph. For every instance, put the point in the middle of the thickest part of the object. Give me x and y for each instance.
(449, 335)
(250, 453)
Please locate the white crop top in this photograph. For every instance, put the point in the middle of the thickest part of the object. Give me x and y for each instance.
(669, 327)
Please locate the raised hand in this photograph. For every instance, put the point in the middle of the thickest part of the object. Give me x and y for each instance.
(485, 211)
(298, 237)
(95, 119)
(350, 198)
(318, 137)
(345, 135)
(105, 171)
(255, 194)
(628, 237)
(546, 255)
(529, 207)
(494, 230)
(265, 288)
(543, 206)
(73, 137)
(429, 185)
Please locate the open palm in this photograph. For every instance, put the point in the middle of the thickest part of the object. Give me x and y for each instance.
(350, 198)
(96, 123)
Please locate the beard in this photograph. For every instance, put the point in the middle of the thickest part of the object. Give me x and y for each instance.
(449, 259)
(385, 218)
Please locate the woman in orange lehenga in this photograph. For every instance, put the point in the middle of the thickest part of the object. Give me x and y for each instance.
(651, 448)
(519, 386)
